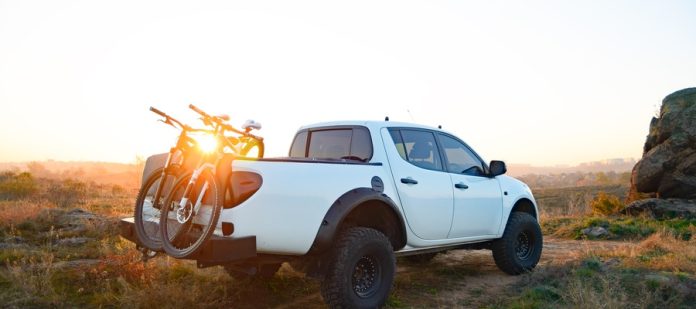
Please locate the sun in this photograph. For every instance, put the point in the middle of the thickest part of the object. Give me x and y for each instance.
(207, 143)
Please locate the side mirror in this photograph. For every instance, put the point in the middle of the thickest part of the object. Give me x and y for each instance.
(497, 168)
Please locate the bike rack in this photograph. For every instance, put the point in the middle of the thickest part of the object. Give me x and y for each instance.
(218, 250)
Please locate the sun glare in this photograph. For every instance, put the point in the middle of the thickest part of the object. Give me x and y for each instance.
(207, 143)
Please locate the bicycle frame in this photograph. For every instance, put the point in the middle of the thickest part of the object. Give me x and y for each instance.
(183, 213)
(183, 146)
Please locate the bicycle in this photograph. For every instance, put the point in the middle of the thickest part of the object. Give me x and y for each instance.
(153, 190)
(193, 206)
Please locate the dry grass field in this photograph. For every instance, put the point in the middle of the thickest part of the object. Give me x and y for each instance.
(59, 247)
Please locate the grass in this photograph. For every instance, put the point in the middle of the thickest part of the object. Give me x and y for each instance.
(623, 278)
(619, 227)
(106, 271)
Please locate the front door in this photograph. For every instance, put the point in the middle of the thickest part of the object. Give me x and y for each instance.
(424, 189)
(478, 203)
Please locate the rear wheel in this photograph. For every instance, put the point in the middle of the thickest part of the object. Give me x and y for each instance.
(519, 250)
(361, 270)
(253, 148)
(147, 209)
(189, 218)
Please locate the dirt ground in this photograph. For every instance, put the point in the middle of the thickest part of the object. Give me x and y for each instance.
(466, 278)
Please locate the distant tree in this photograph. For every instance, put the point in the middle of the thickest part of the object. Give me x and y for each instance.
(601, 178)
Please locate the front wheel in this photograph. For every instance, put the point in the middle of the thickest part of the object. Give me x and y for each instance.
(189, 217)
(147, 209)
(361, 270)
(519, 250)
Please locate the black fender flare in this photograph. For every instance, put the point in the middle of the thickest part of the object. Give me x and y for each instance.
(343, 206)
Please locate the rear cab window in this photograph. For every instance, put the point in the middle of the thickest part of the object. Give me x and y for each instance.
(417, 147)
(333, 143)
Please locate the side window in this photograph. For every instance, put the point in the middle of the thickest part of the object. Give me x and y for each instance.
(459, 157)
(361, 144)
(396, 137)
(299, 145)
(418, 148)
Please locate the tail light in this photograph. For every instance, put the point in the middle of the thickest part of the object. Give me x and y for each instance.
(242, 185)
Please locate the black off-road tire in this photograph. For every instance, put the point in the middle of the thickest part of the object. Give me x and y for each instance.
(182, 243)
(519, 250)
(361, 270)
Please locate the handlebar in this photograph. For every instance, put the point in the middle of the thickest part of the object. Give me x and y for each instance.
(198, 110)
(158, 112)
(169, 119)
(222, 123)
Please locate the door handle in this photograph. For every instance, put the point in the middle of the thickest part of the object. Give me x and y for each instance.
(409, 180)
(461, 185)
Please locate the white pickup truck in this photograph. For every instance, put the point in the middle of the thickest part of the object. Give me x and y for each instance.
(353, 195)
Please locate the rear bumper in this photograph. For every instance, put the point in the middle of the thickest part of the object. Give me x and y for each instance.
(216, 251)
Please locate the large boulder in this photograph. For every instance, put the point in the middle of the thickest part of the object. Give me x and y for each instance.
(668, 166)
(663, 208)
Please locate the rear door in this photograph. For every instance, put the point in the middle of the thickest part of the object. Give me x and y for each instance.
(424, 188)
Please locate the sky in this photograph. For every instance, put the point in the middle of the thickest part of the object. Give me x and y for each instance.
(536, 82)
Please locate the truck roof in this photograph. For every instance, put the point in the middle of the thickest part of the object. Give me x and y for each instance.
(371, 124)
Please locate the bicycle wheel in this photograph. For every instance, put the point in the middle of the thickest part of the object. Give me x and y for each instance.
(147, 209)
(189, 218)
(253, 148)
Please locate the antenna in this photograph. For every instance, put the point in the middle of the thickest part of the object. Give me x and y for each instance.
(410, 115)
(439, 126)
(386, 118)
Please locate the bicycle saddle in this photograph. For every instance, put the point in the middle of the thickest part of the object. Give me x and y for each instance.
(251, 124)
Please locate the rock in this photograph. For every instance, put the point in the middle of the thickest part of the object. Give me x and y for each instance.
(663, 208)
(78, 214)
(74, 229)
(74, 241)
(595, 231)
(668, 166)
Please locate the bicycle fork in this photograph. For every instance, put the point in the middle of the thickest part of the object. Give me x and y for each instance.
(185, 212)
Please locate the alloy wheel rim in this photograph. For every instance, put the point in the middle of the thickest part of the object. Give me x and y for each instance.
(524, 246)
(366, 276)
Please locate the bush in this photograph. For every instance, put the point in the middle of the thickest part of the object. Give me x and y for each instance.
(67, 193)
(606, 204)
(16, 186)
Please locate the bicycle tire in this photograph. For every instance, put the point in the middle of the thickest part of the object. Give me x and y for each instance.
(184, 239)
(147, 215)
